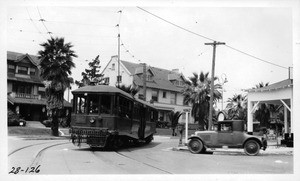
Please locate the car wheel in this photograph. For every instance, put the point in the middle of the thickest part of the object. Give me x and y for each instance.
(195, 146)
(251, 147)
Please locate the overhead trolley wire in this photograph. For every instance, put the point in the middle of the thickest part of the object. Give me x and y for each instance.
(205, 37)
(42, 20)
(34, 24)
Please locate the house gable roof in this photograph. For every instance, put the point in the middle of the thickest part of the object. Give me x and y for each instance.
(17, 57)
(160, 77)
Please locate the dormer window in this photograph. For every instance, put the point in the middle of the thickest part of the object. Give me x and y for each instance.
(32, 71)
(149, 78)
(23, 70)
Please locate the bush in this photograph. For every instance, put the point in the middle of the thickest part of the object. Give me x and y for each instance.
(14, 120)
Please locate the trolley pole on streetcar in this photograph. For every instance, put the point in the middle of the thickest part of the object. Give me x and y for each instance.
(214, 44)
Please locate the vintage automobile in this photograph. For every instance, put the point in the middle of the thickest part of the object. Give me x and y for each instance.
(229, 134)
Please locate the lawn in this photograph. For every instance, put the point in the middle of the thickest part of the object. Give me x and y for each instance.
(17, 130)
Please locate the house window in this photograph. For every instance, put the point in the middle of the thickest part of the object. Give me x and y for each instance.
(141, 96)
(106, 80)
(11, 68)
(149, 78)
(119, 78)
(23, 70)
(173, 98)
(164, 94)
(154, 95)
(113, 66)
(32, 71)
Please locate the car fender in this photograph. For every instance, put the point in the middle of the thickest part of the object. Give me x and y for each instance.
(198, 137)
(253, 138)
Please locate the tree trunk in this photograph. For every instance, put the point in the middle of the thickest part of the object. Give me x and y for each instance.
(54, 126)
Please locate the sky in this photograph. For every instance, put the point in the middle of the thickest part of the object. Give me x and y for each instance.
(262, 32)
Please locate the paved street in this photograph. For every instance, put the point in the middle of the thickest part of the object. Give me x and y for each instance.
(162, 156)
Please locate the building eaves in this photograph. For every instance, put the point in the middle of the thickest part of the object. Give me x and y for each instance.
(278, 85)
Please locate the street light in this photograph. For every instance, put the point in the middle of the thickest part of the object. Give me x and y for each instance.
(224, 80)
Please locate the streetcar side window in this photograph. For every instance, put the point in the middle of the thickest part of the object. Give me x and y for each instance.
(105, 104)
(81, 104)
(125, 107)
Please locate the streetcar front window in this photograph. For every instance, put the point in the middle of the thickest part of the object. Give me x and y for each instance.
(81, 104)
(94, 104)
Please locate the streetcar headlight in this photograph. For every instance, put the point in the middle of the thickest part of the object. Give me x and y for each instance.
(92, 120)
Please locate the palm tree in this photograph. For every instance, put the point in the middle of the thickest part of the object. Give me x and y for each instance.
(237, 107)
(261, 84)
(56, 62)
(174, 117)
(197, 93)
(133, 90)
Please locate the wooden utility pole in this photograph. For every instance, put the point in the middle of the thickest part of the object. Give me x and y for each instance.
(144, 81)
(212, 87)
(118, 77)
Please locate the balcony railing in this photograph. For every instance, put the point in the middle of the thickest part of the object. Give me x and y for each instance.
(26, 96)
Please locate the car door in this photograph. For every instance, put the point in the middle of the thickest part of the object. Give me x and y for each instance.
(225, 134)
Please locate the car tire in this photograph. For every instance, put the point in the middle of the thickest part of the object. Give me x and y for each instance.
(195, 146)
(251, 148)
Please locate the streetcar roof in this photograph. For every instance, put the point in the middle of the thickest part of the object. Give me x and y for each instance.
(101, 89)
(108, 89)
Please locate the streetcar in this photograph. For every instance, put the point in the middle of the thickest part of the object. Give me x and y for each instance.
(106, 117)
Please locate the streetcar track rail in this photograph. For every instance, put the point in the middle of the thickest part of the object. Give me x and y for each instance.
(142, 162)
(123, 155)
(38, 156)
(19, 149)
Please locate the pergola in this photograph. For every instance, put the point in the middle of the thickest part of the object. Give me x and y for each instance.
(280, 93)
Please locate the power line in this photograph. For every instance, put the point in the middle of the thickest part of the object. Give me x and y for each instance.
(35, 24)
(69, 34)
(255, 57)
(42, 20)
(205, 37)
(65, 22)
(180, 27)
(119, 32)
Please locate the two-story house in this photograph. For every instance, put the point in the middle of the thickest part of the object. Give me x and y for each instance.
(25, 89)
(163, 87)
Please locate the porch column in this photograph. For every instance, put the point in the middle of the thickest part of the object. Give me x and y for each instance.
(250, 118)
(286, 128)
(292, 117)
